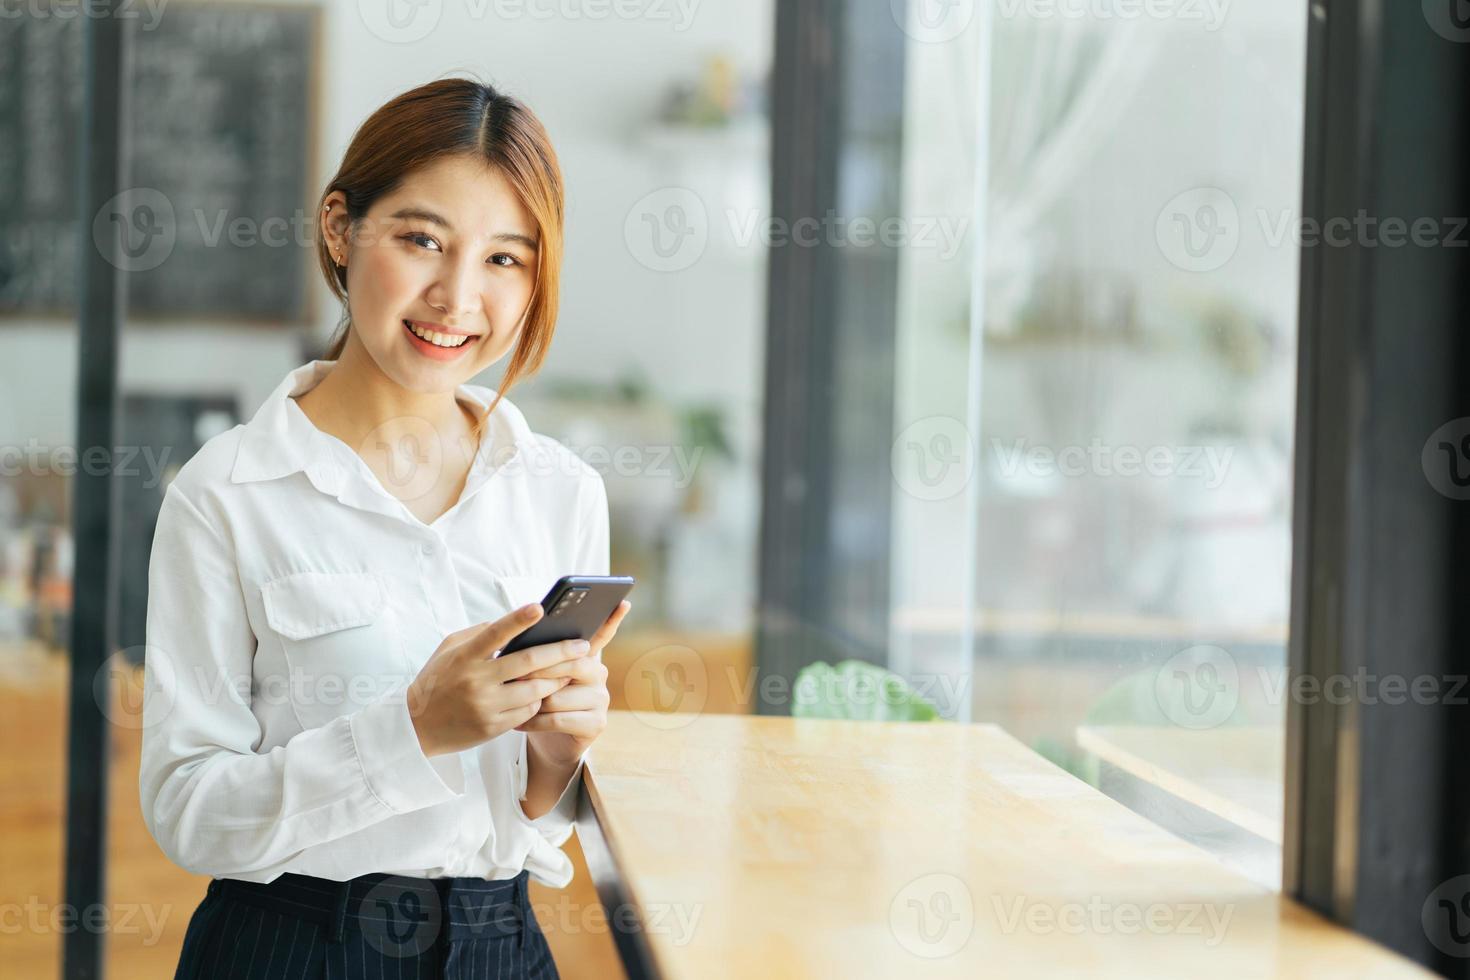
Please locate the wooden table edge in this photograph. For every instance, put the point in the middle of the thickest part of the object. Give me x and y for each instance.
(1093, 739)
(614, 891)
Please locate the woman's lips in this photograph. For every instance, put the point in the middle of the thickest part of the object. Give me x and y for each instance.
(434, 351)
(441, 328)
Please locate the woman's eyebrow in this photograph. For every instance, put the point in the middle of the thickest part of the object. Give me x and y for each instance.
(423, 214)
(515, 236)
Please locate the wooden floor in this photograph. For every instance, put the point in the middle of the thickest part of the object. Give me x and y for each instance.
(149, 900)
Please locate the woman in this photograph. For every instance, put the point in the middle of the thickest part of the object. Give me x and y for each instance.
(327, 731)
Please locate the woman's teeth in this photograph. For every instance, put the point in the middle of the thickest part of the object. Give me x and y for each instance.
(437, 339)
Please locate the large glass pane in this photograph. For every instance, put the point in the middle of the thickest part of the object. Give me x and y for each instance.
(240, 114)
(1105, 373)
(38, 464)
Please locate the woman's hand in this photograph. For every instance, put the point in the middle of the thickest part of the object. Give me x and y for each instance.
(465, 695)
(571, 718)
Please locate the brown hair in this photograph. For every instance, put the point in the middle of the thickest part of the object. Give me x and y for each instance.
(458, 116)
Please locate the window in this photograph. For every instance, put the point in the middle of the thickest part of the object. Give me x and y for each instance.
(1095, 385)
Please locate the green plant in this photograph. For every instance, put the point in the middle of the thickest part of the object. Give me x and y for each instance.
(859, 691)
(704, 426)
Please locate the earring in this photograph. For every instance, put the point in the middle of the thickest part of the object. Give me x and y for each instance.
(335, 255)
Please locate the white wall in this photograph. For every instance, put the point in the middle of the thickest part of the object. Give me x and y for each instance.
(695, 334)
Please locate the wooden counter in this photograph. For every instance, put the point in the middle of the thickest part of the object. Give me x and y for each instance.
(776, 847)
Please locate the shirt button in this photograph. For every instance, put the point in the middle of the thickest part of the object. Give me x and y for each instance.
(428, 547)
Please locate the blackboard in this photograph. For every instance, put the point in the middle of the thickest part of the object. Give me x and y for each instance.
(217, 217)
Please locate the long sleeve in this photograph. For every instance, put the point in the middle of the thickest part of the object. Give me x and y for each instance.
(593, 557)
(555, 824)
(212, 801)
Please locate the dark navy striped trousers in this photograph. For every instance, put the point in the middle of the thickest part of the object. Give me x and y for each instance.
(299, 927)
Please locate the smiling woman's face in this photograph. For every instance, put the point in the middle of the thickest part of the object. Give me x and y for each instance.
(450, 253)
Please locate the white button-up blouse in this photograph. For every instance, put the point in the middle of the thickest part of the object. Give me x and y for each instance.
(292, 600)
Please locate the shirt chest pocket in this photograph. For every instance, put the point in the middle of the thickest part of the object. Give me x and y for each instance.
(515, 591)
(340, 639)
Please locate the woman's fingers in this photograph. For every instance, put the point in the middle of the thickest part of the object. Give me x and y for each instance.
(482, 639)
(510, 666)
(610, 626)
(583, 724)
(583, 670)
(526, 691)
(576, 697)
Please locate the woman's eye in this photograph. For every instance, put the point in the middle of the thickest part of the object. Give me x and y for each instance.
(419, 238)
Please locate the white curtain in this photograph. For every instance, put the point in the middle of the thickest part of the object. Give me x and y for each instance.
(1056, 88)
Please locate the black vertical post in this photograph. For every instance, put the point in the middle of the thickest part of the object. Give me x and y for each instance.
(837, 103)
(101, 305)
(796, 432)
(1378, 811)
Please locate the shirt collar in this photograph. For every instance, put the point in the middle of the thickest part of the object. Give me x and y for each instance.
(279, 439)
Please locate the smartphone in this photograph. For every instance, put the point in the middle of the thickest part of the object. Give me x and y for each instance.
(574, 609)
